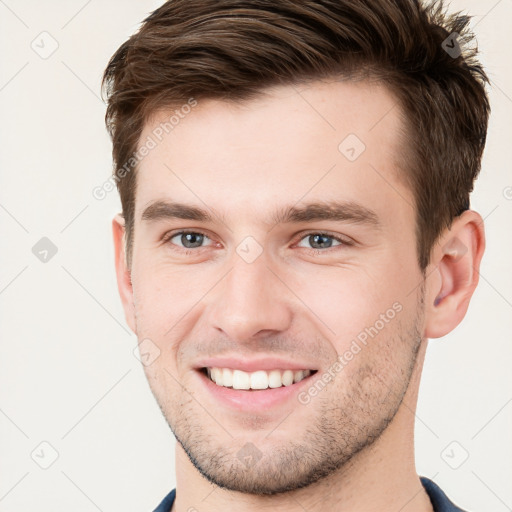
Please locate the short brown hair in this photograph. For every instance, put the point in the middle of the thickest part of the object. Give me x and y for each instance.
(232, 49)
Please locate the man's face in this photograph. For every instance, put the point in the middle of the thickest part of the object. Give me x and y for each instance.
(337, 296)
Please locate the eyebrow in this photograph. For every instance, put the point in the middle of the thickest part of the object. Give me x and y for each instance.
(310, 212)
(327, 210)
(159, 210)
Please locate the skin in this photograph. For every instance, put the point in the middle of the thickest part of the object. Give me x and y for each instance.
(351, 447)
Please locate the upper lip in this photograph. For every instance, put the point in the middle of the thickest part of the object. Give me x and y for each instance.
(252, 365)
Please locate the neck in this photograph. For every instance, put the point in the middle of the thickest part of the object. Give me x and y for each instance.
(380, 478)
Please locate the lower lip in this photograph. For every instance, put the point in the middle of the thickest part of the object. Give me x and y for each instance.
(254, 400)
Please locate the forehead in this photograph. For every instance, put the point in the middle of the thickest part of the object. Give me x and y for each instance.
(328, 140)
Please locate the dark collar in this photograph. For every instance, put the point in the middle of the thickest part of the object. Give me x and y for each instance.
(439, 500)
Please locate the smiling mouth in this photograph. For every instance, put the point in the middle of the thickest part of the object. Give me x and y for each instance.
(259, 380)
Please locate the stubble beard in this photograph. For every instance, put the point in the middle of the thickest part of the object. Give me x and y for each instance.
(348, 418)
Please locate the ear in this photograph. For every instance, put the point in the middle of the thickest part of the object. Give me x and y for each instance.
(124, 281)
(456, 262)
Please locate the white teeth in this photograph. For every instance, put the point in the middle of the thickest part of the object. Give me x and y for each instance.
(274, 379)
(298, 375)
(261, 379)
(241, 380)
(215, 373)
(227, 377)
(287, 378)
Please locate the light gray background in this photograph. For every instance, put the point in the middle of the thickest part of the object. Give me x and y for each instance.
(68, 375)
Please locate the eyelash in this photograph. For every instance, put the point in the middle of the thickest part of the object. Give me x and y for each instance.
(343, 242)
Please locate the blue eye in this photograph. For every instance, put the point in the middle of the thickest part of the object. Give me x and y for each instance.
(188, 239)
(322, 240)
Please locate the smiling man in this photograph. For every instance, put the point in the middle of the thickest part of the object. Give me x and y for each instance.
(295, 181)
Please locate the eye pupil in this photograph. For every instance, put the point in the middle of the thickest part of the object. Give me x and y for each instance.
(314, 239)
(194, 238)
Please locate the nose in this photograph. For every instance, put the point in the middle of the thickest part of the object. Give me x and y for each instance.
(251, 301)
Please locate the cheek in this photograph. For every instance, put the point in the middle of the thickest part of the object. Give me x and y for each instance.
(363, 314)
(168, 304)
(346, 299)
(164, 387)
(163, 295)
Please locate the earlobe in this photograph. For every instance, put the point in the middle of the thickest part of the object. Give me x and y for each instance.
(123, 273)
(457, 256)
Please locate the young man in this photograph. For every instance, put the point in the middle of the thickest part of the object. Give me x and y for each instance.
(295, 181)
